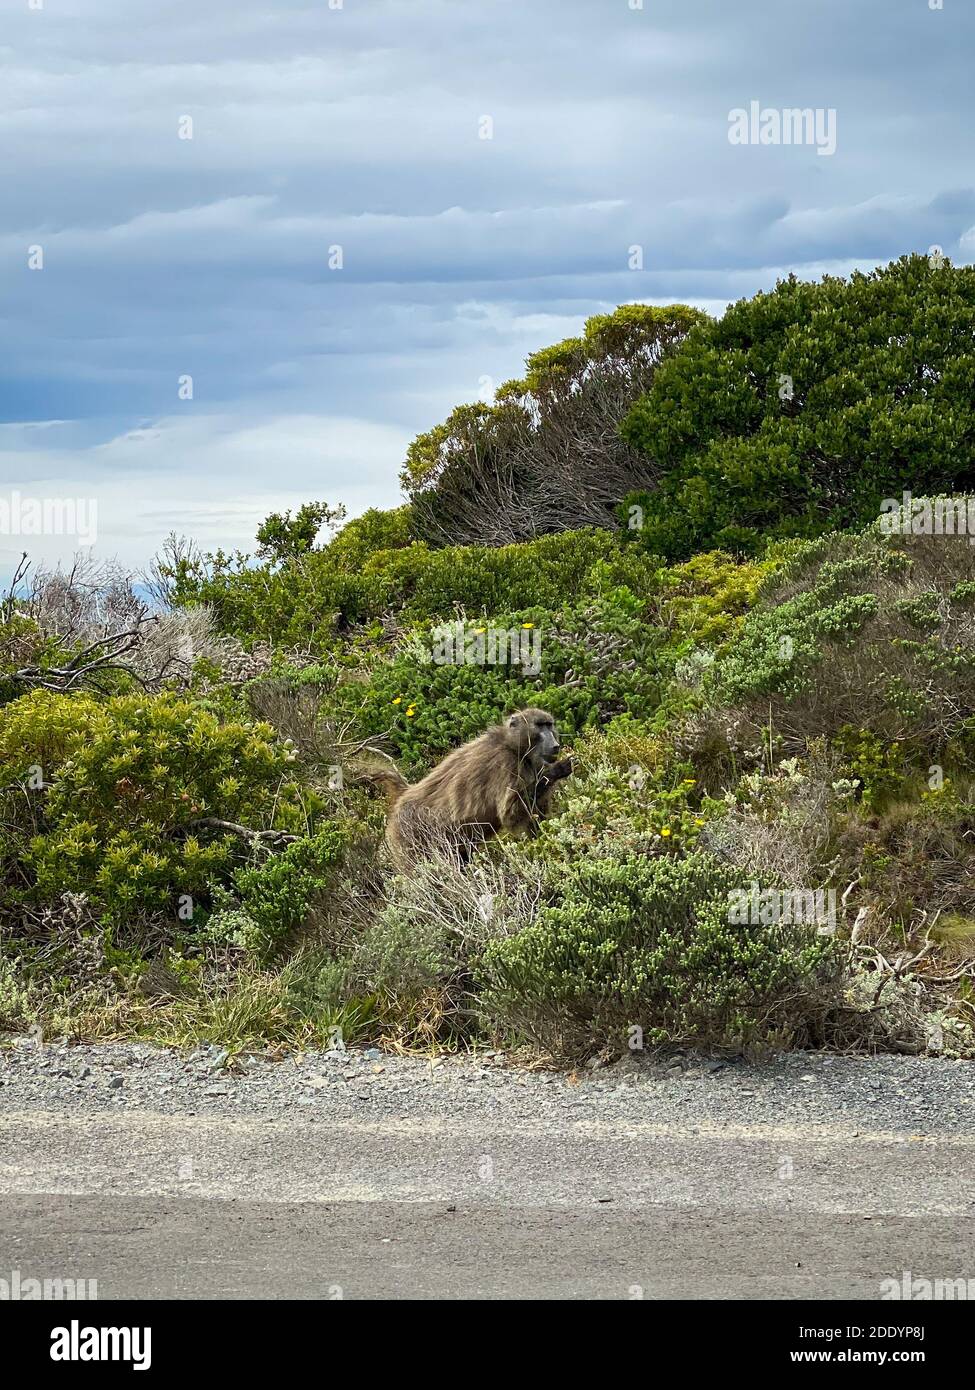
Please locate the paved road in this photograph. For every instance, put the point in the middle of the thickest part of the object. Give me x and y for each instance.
(189, 1247)
(437, 1203)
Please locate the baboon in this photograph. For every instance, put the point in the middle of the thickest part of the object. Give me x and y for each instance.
(502, 780)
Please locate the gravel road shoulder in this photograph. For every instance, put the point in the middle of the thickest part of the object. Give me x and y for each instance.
(897, 1096)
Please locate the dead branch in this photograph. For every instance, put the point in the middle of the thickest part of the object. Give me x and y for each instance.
(265, 838)
(98, 657)
(10, 598)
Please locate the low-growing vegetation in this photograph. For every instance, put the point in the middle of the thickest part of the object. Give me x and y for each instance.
(768, 695)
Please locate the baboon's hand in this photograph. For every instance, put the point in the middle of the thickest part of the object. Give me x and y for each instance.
(556, 771)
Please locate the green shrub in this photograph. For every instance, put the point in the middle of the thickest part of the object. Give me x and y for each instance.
(874, 765)
(704, 600)
(646, 943)
(629, 795)
(268, 903)
(549, 572)
(800, 410)
(414, 957)
(405, 953)
(373, 531)
(309, 601)
(127, 785)
(866, 630)
(547, 455)
(286, 537)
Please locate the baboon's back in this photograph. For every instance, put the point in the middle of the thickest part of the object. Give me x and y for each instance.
(466, 788)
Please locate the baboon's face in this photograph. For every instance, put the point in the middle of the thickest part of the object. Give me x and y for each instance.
(537, 733)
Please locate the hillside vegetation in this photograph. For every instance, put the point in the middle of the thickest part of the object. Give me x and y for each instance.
(760, 655)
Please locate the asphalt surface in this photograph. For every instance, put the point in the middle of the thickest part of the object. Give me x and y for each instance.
(164, 1176)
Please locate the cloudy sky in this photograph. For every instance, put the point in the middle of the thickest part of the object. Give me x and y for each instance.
(361, 125)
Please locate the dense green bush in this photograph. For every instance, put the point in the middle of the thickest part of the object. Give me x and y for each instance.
(705, 599)
(373, 531)
(646, 943)
(802, 409)
(551, 572)
(313, 600)
(111, 798)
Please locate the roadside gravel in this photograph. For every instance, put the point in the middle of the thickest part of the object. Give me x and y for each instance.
(895, 1096)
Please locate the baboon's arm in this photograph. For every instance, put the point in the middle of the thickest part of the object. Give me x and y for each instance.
(548, 780)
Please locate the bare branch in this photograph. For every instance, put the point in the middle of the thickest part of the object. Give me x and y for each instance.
(10, 598)
(99, 656)
(265, 838)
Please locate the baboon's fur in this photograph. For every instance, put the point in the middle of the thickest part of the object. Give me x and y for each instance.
(502, 780)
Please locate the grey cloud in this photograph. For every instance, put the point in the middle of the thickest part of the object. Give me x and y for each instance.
(358, 126)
